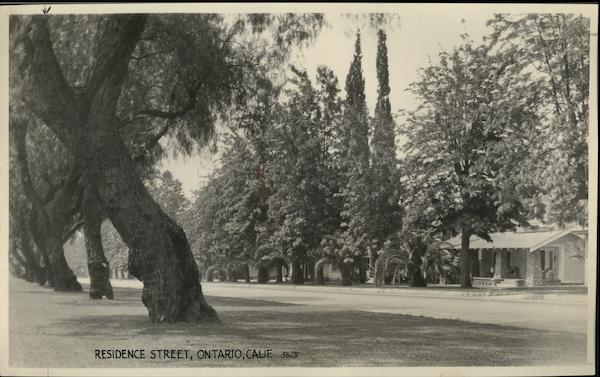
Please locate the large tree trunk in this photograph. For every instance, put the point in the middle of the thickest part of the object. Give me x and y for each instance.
(415, 274)
(297, 273)
(263, 275)
(21, 243)
(22, 269)
(465, 260)
(50, 236)
(246, 268)
(362, 271)
(346, 272)
(63, 277)
(159, 253)
(372, 257)
(209, 274)
(279, 270)
(320, 275)
(40, 244)
(32, 260)
(98, 266)
(387, 278)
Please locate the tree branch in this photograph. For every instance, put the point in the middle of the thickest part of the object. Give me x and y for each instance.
(115, 48)
(67, 235)
(151, 143)
(46, 90)
(53, 189)
(548, 65)
(169, 115)
(20, 134)
(190, 105)
(67, 190)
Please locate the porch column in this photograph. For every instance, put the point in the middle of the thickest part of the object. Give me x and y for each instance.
(533, 276)
(499, 263)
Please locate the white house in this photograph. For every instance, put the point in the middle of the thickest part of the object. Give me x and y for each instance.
(528, 258)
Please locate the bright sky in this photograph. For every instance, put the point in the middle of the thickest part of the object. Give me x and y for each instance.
(421, 35)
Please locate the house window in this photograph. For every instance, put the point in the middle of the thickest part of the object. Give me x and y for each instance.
(508, 259)
(550, 259)
(334, 267)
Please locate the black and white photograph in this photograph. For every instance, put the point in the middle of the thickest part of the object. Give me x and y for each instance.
(298, 189)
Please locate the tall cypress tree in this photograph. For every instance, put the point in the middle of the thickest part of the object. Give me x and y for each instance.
(356, 216)
(384, 172)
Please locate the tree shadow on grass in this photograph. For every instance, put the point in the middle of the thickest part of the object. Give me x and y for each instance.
(133, 297)
(351, 338)
(321, 336)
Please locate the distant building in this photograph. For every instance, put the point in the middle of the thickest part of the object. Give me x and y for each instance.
(527, 258)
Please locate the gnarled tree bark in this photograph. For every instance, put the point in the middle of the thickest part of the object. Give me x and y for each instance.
(160, 255)
(98, 266)
(63, 278)
(39, 273)
(38, 240)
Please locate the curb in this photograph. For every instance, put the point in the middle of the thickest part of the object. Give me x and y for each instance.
(506, 295)
(497, 294)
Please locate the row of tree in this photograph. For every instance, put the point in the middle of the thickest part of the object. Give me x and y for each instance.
(97, 100)
(302, 180)
(315, 178)
(101, 92)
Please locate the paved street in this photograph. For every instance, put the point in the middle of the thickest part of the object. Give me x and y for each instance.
(502, 310)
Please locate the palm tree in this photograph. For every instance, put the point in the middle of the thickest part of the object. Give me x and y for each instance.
(237, 265)
(219, 268)
(335, 251)
(268, 256)
(417, 251)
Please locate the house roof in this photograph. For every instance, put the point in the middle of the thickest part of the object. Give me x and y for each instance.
(518, 240)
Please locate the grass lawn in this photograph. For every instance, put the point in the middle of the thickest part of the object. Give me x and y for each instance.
(49, 329)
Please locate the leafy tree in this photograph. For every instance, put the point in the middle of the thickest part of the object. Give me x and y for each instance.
(267, 175)
(205, 226)
(385, 177)
(116, 250)
(335, 251)
(168, 192)
(268, 256)
(56, 201)
(357, 214)
(474, 105)
(556, 48)
(227, 210)
(299, 209)
(419, 251)
(181, 70)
